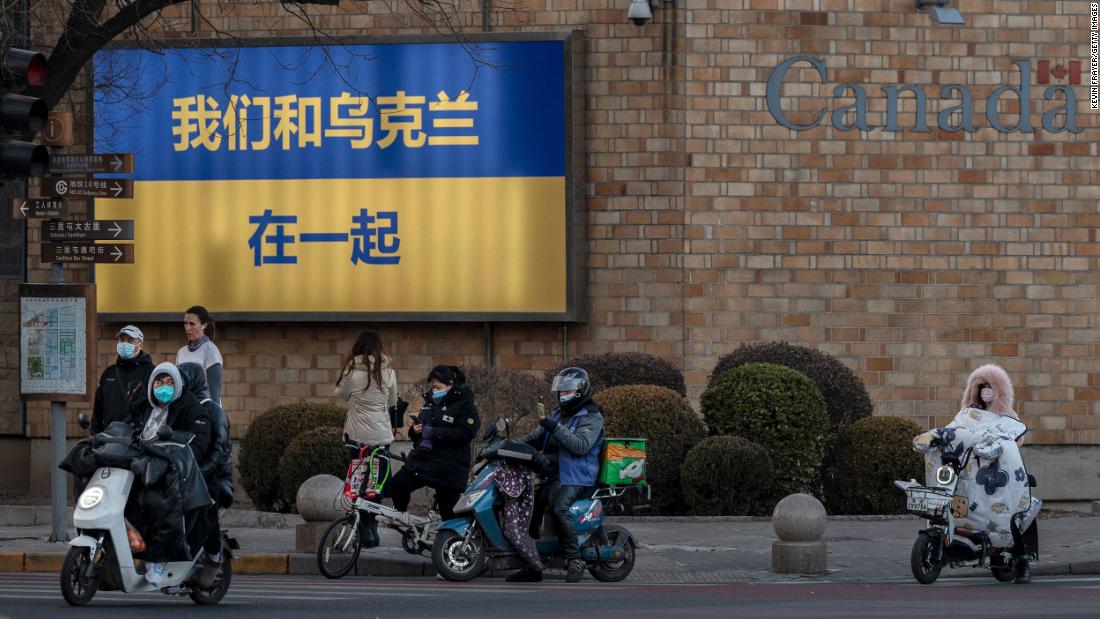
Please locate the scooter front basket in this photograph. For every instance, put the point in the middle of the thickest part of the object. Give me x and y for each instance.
(927, 502)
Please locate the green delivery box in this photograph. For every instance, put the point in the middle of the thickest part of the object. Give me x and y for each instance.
(622, 462)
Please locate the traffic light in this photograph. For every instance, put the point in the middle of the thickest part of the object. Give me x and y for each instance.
(21, 116)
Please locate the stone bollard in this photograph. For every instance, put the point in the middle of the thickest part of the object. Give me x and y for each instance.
(799, 521)
(318, 504)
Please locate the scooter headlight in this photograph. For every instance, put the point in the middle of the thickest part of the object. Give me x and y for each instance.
(466, 503)
(945, 475)
(91, 497)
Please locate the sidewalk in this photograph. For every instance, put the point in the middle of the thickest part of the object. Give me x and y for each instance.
(671, 550)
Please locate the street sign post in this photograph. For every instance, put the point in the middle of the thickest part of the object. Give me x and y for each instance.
(70, 187)
(88, 253)
(112, 163)
(34, 208)
(65, 231)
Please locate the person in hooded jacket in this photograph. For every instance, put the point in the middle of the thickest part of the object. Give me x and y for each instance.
(989, 388)
(217, 469)
(441, 436)
(172, 405)
(570, 437)
(122, 386)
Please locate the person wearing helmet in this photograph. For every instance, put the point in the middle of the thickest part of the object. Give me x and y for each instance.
(570, 439)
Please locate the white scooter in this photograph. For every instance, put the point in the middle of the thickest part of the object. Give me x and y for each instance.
(100, 557)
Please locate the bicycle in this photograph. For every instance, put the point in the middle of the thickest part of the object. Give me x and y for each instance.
(342, 541)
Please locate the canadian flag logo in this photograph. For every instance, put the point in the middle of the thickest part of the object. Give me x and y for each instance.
(1060, 72)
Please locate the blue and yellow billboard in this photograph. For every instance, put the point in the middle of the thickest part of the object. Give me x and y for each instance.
(392, 180)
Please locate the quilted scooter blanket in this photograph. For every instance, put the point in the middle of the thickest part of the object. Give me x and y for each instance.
(993, 488)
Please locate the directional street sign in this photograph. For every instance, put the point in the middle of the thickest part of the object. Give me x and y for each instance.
(122, 163)
(108, 253)
(70, 187)
(64, 231)
(33, 208)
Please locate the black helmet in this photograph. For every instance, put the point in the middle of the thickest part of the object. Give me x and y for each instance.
(570, 379)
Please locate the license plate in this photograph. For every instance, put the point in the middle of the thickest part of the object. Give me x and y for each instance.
(917, 504)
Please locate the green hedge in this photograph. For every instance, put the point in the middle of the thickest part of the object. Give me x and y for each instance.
(314, 452)
(846, 397)
(265, 441)
(869, 455)
(626, 368)
(667, 420)
(777, 408)
(728, 476)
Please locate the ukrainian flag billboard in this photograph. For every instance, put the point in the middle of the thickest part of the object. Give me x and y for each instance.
(390, 180)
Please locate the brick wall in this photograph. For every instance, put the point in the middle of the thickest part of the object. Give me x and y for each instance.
(912, 256)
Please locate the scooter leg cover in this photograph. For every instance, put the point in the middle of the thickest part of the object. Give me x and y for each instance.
(517, 513)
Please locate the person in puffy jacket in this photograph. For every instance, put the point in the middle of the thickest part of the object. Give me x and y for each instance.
(441, 436)
(217, 469)
(173, 405)
(368, 385)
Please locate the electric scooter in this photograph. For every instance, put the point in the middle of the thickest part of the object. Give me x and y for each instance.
(99, 557)
(466, 545)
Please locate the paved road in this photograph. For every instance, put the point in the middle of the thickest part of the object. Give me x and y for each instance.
(37, 595)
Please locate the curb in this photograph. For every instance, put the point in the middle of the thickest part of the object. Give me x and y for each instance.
(38, 515)
(250, 564)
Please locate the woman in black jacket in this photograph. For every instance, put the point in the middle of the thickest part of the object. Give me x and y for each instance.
(441, 437)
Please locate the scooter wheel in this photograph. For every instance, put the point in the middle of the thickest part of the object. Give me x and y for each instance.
(76, 586)
(221, 586)
(924, 569)
(1004, 574)
(452, 562)
(614, 571)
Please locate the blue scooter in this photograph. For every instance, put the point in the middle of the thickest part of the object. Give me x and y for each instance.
(466, 545)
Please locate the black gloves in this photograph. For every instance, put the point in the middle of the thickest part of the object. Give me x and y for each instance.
(548, 424)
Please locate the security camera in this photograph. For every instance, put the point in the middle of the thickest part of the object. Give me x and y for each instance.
(639, 12)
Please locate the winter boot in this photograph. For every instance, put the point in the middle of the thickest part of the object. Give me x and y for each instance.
(1023, 571)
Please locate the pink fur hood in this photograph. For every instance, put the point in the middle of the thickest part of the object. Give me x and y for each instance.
(997, 378)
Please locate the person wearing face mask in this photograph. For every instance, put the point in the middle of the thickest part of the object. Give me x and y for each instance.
(171, 404)
(441, 436)
(989, 388)
(122, 386)
(571, 439)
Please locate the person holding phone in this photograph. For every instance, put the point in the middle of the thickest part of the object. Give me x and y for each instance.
(441, 435)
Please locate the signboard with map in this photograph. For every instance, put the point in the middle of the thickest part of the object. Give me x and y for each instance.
(56, 324)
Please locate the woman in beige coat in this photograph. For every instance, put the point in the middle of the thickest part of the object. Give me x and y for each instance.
(370, 389)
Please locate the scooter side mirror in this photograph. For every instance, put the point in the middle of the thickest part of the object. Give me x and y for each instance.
(164, 432)
(82, 421)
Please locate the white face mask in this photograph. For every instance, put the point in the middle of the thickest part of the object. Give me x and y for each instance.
(987, 395)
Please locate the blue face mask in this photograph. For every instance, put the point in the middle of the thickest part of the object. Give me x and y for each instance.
(564, 399)
(164, 393)
(126, 350)
(437, 395)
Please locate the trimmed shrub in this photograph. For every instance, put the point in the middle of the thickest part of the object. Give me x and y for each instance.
(870, 455)
(846, 397)
(267, 437)
(314, 452)
(666, 419)
(506, 392)
(777, 408)
(728, 476)
(626, 368)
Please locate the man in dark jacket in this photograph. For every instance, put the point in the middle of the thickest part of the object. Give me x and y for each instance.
(217, 469)
(441, 436)
(121, 392)
(570, 438)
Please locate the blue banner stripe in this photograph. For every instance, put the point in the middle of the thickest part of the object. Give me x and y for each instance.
(424, 110)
